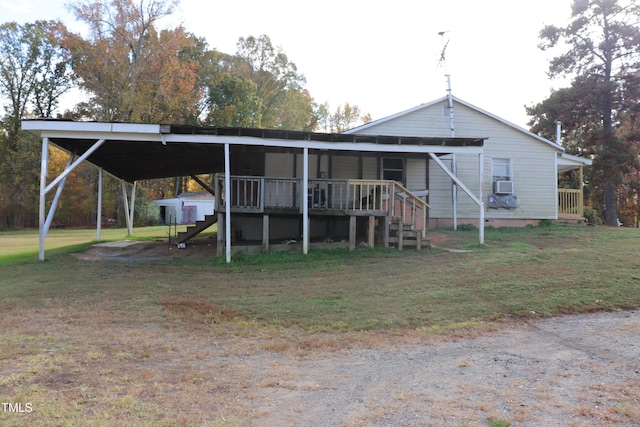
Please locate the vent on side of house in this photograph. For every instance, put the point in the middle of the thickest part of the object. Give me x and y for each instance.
(503, 187)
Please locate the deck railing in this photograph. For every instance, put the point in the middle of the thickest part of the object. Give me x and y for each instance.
(354, 196)
(570, 203)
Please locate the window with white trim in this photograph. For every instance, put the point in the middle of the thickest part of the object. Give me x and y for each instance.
(501, 169)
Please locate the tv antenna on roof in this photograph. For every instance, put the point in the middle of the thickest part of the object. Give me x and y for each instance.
(449, 96)
(442, 61)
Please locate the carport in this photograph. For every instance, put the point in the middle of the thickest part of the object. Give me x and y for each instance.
(133, 152)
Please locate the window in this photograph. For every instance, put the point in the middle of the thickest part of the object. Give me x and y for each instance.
(501, 169)
(393, 169)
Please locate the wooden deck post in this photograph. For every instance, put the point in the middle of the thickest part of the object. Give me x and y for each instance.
(372, 231)
(352, 232)
(400, 233)
(265, 233)
(385, 231)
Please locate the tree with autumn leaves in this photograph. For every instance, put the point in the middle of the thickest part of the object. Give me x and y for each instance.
(131, 70)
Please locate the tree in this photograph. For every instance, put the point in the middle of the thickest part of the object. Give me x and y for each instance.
(275, 77)
(345, 117)
(133, 72)
(33, 76)
(603, 52)
(233, 102)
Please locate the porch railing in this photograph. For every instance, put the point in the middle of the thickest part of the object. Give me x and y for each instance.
(570, 203)
(357, 196)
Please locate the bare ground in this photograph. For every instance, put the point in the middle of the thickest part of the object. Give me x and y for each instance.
(87, 366)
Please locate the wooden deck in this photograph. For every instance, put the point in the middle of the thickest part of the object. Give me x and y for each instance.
(384, 202)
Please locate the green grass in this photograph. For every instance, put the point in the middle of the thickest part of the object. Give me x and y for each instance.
(533, 271)
(21, 245)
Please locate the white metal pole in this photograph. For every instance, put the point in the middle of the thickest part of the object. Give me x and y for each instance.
(454, 164)
(481, 197)
(43, 184)
(305, 200)
(99, 212)
(125, 196)
(133, 206)
(227, 201)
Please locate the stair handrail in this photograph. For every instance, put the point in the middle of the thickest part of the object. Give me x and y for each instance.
(407, 198)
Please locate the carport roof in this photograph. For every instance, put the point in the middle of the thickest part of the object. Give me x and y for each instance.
(145, 151)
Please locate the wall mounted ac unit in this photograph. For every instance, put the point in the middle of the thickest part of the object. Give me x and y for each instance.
(503, 187)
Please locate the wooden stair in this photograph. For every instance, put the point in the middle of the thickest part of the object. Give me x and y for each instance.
(195, 229)
(401, 235)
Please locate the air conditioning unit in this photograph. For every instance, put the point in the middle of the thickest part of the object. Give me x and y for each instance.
(503, 187)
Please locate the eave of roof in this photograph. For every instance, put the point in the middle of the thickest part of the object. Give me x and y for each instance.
(461, 102)
(145, 151)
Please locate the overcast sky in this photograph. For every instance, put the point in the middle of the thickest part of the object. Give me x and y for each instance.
(381, 56)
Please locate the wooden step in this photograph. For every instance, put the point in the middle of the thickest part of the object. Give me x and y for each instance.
(195, 229)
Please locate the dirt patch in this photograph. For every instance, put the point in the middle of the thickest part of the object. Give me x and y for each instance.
(134, 251)
(571, 371)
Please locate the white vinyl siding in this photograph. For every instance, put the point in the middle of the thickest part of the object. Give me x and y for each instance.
(416, 171)
(344, 167)
(533, 162)
(279, 165)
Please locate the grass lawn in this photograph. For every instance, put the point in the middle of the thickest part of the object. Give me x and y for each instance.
(523, 272)
(24, 244)
(66, 320)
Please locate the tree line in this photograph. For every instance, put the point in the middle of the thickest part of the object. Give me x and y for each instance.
(129, 69)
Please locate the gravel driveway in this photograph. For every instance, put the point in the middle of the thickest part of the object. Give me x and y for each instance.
(579, 370)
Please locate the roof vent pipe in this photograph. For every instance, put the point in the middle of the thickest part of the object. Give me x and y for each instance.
(559, 132)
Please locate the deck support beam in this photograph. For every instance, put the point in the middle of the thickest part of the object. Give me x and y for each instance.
(371, 231)
(385, 231)
(265, 233)
(352, 232)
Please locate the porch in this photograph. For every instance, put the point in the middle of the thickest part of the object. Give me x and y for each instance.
(381, 212)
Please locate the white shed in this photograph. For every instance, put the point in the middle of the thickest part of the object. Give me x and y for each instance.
(187, 208)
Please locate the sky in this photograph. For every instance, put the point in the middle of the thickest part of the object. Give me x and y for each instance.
(383, 56)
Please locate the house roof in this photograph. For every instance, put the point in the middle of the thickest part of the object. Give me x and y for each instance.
(145, 151)
(461, 102)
